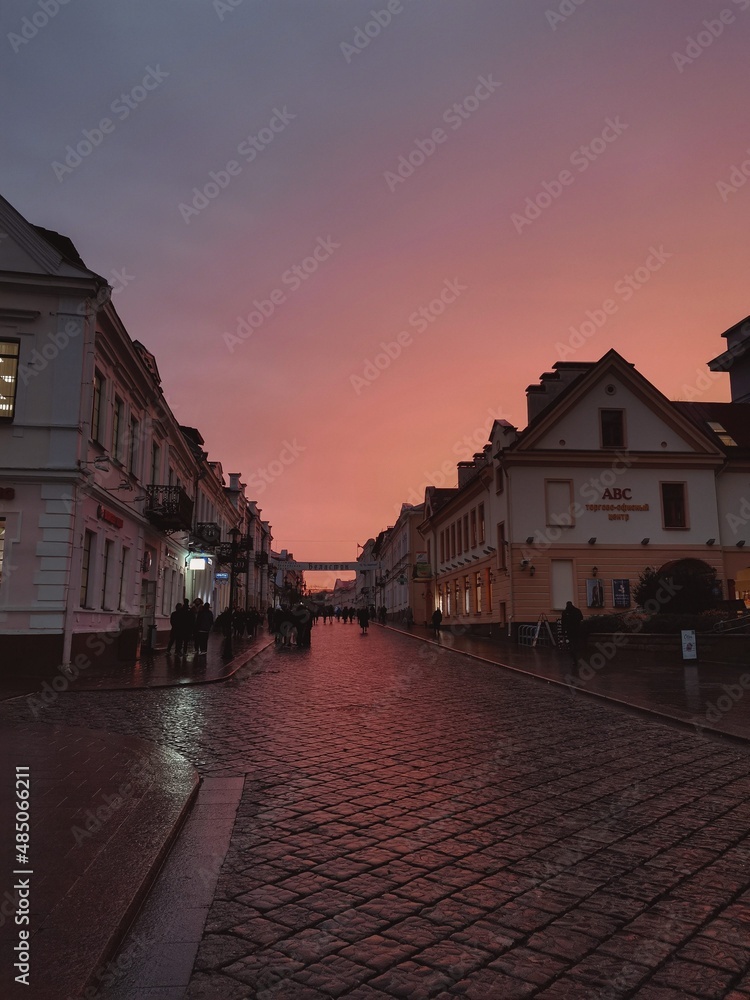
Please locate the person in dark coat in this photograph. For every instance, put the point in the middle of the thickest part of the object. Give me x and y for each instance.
(437, 617)
(364, 619)
(571, 620)
(184, 628)
(203, 623)
(174, 626)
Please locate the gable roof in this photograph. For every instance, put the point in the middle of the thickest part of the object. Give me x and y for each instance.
(627, 373)
(51, 253)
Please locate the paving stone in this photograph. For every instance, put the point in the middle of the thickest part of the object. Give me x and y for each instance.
(379, 952)
(562, 942)
(486, 983)
(410, 981)
(702, 980)
(334, 976)
(529, 965)
(371, 842)
(454, 958)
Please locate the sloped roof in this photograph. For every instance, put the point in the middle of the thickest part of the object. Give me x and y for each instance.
(733, 417)
(62, 244)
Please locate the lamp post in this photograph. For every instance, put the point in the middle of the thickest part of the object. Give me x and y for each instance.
(235, 533)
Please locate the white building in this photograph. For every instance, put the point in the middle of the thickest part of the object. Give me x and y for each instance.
(98, 481)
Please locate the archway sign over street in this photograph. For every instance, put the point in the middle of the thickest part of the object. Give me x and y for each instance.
(360, 567)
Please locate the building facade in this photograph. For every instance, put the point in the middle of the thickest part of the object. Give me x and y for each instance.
(609, 478)
(107, 504)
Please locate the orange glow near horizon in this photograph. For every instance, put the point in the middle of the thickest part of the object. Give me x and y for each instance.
(343, 333)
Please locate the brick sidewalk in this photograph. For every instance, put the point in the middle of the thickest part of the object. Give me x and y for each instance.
(104, 809)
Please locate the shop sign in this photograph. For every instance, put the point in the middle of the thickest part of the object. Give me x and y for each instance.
(106, 515)
(689, 648)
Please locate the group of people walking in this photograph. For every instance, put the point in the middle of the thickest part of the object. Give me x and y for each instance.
(190, 627)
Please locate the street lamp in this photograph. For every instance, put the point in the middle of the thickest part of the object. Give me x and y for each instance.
(234, 545)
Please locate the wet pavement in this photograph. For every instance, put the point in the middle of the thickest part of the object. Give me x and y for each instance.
(100, 813)
(412, 823)
(151, 670)
(704, 695)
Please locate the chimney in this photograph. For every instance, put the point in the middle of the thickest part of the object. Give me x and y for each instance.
(551, 384)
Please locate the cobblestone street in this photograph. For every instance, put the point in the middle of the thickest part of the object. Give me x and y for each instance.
(414, 824)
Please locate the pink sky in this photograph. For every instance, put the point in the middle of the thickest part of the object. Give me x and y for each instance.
(548, 90)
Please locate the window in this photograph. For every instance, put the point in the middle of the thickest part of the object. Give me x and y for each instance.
(105, 570)
(97, 415)
(502, 559)
(448, 599)
(2, 546)
(612, 426)
(489, 589)
(453, 541)
(166, 594)
(467, 596)
(8, 378)
(480, 523)
(457, 596)
(559, 502)
(478, 592)
(133, 447)
(459, 546)
(673, 505)
(117, 429)
(473, 522)
(429, 551)
(562, 582)
(155, 463)
(466, 532)
(124, 559)
(442, 546)
(499, 480)
(88, 542)
(721, 432)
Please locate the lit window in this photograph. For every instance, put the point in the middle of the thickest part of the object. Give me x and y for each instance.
(721, 433)
(467, 596)
(8, 378)
(478, 589)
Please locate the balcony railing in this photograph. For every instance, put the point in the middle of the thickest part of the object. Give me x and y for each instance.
(169, 508)
(208, 532)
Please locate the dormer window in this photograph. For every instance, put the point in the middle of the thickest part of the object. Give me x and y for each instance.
(722, 434)
(612, 428)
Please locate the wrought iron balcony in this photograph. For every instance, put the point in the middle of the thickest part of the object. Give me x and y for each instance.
(169, 508)
(208, 532)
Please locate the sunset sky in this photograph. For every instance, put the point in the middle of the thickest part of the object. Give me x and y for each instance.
(623, 120)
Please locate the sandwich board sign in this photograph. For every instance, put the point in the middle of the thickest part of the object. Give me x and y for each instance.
(689, 648)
